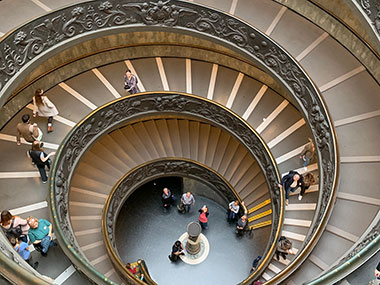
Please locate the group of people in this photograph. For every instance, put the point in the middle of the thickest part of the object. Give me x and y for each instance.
(186, 202)
(290, 183)
(22, 233)
(233, 216)
(31, 133)
(294, 180)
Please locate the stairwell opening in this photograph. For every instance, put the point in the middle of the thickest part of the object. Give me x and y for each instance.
(145, 230)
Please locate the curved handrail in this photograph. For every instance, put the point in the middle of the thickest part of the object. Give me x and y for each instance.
(141, 175)
(15, 268)
(364, 249)
(120, 111)
(144, 270)
(35, 40)
(362, 50)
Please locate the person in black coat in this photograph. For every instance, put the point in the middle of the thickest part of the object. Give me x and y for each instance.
(291, 182)
(40, 158)
(177, 250)
(166, 198)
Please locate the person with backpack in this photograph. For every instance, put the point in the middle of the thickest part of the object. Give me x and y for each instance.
(28, 131)
(23, 250)
(130, 83)
(40, 159)
(14, 226)
(203, 217)
(284, 248)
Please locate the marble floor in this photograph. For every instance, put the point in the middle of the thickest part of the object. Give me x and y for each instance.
(147, 232)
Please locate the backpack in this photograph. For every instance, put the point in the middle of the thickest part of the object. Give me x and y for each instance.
(13, 231)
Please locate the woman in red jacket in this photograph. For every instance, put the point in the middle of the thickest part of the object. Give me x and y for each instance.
(203, 217)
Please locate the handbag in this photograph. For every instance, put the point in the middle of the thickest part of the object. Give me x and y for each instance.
(13, 231)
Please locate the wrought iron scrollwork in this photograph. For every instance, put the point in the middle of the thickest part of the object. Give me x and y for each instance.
(372, 10)
(35, 39)
(124, 109)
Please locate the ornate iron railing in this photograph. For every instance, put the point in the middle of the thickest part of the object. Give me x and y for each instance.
(118, 113)
(141, 175)
(371, 8)
(34, 41)
(16, 269)
(364, 249)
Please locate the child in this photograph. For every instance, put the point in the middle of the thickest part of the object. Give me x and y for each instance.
(23, 250)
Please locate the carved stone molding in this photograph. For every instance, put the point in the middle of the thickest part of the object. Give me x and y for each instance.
(372, 9)
(34, 40)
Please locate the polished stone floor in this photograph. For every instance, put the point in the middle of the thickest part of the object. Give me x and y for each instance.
(145, 231)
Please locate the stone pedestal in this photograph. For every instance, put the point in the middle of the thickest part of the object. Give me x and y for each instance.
(193, 245)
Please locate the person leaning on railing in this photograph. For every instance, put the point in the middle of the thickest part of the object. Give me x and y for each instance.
(135, 271)
(23, 250)
(41, 234)
(14, 225)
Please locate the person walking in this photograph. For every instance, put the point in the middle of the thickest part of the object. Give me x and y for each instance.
(177, 250)
(43, 107)
(307, 153)
(40, 159)
(203, 217)
(187, 200)
(233, 210)
(291, 182)
(130, 82)
(23, 250)
(27, 131)
(284, 248)
(14, 226)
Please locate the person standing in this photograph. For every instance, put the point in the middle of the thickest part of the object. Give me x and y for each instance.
(40, 159)
(242, 222)
(23, 250)
(291, 182)
(307, 153)
(187, 200)
(14, 225)
(40, 234)
(203, 217)
(233, 210)
(44, 108)
(166, 198)
(130, 82)
(177, 250)
(27, 131)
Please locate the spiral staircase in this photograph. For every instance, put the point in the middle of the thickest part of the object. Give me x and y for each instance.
(349, 88)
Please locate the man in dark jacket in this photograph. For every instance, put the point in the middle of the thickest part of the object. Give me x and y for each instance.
(291, 182)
